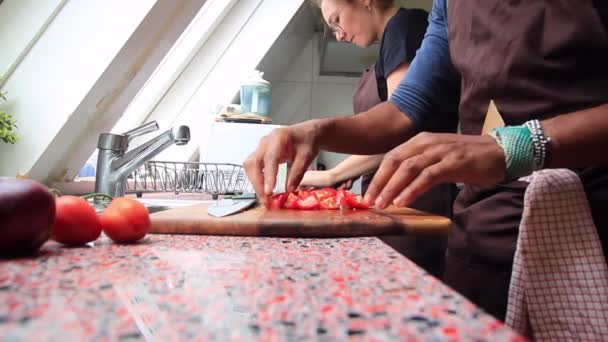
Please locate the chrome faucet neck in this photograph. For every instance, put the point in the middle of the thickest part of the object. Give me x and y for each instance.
(115, 163)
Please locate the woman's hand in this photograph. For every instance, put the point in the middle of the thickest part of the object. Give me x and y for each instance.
(429, 159)
(346, 185)
(324, 179)
(317, 179)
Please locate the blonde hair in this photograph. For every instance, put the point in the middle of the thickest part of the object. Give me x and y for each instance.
(382, 4)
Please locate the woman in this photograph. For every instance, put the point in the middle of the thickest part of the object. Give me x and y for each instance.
(400, 32)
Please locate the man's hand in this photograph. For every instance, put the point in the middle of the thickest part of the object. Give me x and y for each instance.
(295, 144)
(429, 159)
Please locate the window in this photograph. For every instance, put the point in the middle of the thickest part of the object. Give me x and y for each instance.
(21, 24)
(174, 63)
(100, 66)
(169, 69)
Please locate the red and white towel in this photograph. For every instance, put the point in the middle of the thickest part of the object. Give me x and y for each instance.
(559, 285)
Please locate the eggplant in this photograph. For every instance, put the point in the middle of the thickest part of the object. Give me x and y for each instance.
(27, 213)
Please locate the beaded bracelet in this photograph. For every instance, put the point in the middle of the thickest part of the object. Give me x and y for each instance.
(541, 144)
(526, 148)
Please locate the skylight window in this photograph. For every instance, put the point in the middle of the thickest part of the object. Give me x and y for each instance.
(88, 67)
(174, 63)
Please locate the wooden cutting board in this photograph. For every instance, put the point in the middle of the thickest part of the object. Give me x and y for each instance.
(259, 221)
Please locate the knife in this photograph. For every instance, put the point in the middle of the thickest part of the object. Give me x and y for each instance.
(230, 206)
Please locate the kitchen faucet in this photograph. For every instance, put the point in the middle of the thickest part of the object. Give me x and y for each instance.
(115, 164)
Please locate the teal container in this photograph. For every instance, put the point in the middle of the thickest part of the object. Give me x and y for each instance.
(255, 95)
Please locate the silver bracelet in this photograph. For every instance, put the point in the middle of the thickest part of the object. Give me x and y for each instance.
(541, 144)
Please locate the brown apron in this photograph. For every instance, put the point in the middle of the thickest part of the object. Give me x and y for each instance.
(426, 251)
(365, 95)
(535, 59)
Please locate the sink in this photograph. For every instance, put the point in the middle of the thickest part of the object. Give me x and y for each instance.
(155, 204)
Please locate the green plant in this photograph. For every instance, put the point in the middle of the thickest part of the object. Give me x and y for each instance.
(8, 126)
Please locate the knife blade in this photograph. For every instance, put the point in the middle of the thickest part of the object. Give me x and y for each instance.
(230, 206)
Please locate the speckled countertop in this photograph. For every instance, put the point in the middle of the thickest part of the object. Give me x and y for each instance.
(201, 288)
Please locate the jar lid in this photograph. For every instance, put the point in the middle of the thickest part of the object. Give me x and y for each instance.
(255, 78)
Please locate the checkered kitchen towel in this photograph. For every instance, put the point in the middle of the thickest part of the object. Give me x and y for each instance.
(559, 285)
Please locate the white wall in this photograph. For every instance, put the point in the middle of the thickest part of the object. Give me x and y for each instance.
(21, 23)
(301, 94)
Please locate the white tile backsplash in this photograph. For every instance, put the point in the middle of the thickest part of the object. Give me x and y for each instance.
(300, 94)
(291, 102)
(301, 69)
(332, 99)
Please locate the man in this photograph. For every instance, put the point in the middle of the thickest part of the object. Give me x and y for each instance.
(542, 62)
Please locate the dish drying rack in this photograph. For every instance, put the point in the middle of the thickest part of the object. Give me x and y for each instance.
(188, 177)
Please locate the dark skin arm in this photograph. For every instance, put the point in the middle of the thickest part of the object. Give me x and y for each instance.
(375, 131)
(579, 139)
